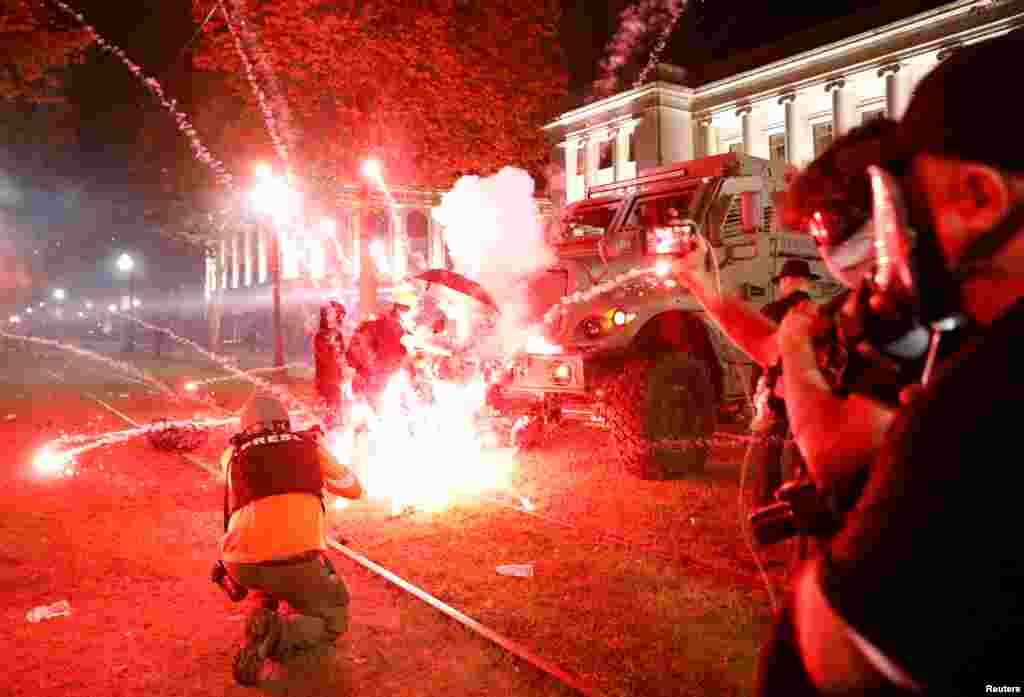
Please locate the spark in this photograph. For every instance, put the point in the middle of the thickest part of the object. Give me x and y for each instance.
(424, 447)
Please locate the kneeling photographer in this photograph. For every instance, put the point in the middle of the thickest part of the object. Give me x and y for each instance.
(919, 592)
(273, 545)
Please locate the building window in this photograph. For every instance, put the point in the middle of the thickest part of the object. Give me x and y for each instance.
(871, 115)
(777, 146)
(418, 248)
(631, 147)
(606, 152)
(736, 147)
(822, 137)
(581, 159)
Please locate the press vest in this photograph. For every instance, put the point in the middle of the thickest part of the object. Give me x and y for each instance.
(270, 464)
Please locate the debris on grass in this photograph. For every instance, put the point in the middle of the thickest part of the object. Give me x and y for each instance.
(520, 570)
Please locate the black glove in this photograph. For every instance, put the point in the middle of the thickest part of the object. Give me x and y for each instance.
(219, 575)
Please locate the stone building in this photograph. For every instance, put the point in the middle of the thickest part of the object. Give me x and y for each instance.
(789, 110)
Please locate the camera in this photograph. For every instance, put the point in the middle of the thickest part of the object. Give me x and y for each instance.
(220, 576)
(800, 511)
(861, 349)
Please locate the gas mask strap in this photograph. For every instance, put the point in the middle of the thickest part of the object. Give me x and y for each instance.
(933, 350)
(942, 326)
(986, 246)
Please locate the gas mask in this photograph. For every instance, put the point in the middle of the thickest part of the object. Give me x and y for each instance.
(911, 269)
(848, 256)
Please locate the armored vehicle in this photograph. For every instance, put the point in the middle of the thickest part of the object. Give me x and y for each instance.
(621, 342)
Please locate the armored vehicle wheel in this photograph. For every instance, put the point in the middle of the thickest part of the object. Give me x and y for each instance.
(660, 412)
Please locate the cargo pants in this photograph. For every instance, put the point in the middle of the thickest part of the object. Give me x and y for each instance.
(318, 599)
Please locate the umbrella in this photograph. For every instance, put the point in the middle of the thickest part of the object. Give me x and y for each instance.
(460, 284)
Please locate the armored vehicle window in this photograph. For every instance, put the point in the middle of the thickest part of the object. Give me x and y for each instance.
(590, 222)
(661, 211)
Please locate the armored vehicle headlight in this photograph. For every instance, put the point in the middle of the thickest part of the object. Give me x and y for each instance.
(561, 373)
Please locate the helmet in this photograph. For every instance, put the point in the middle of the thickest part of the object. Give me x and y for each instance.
(263, 409)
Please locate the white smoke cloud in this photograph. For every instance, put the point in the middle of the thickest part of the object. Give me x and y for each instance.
(496, 238)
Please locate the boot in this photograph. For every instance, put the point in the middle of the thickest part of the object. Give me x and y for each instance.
(262, 632)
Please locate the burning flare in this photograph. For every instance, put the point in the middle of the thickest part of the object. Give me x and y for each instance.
(425, 447)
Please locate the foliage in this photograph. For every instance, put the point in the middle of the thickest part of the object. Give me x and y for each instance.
(433, 89)
(37, 45)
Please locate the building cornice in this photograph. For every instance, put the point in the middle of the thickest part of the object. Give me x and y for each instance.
(885, 48)
(642, 95)
(601, 128)
(874, 50)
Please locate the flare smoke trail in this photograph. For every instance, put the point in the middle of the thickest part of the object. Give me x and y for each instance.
(496, 238)
(225, 362)
(128, 369)
(637, 24)
(258, 63)
(156, 89)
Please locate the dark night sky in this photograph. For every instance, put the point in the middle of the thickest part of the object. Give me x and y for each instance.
(711, 34)
(100, 199)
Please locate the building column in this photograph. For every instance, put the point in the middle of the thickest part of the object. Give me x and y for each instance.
(211, 277)
(356, 221)
(840, 108)
(590, 153)
(571, 147)
(235, 258)
(789, 103)
(247, 252)
(261, 253)
(708, 125)
(892, 104)
(399, 243)
(620, 151)
(223, 263)
(747, 128)
(431, 239)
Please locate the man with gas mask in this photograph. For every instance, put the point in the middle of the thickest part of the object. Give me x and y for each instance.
(834, 188)
(273, 545)
(865, 615)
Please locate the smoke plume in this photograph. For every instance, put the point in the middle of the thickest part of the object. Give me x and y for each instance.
(496, 238)
(645, 25)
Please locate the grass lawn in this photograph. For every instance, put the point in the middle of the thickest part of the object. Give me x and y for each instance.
(640, 588)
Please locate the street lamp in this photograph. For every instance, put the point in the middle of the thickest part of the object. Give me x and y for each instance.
(111, 308)
(15, 319)
(126, 264)
(59, 294)
(271, 196)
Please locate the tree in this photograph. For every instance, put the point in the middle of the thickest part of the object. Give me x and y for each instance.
(427, 87)
(39, 44)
